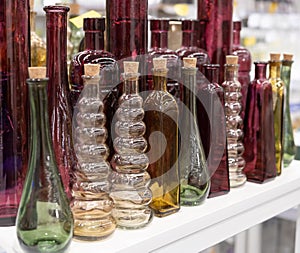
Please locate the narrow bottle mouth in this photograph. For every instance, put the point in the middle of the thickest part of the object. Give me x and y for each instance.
(56, 8)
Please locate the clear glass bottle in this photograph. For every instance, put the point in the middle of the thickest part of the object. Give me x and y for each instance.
(233, 107)
(130, 179)
(194, 176)
(259, 138)
(289, 147)
(14, 56)
(59, 108)
(278, 103)
(44, 222)
(91, 204)
(161, 119)
(214, 144)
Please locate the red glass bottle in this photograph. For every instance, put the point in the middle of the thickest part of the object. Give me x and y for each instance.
(14, 58)
(259, 137)
(244, 61)
(212, 117)
(58, 100)
(218, 29)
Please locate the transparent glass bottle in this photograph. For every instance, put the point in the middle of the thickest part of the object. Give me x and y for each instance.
(91, 204)
(233, 107)
(259, 138)
(289, 147)
(130, 179)
(44, 222)
(194, 176)
(161, 119)
(278, 103)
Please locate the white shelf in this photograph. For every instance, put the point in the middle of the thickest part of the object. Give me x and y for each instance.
(197, 228)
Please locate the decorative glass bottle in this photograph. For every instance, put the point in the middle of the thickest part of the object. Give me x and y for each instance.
(159, 48)
(44, 222)
(259, 138)
(289, 147)
(130, 179)
(59, 108)
(214, 143)
(14, 55)
(233, 107)
(91, 205)
(278, 102)
(194, 177)
(244, 63)
(161, 119)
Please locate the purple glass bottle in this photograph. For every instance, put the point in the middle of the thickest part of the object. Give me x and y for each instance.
(14, 58)
(58, 101)
(259, 137)
(244, 63)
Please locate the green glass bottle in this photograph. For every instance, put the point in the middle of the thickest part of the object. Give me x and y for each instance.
(289, 148)
(44, 222)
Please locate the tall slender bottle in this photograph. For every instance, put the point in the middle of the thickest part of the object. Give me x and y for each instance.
(14, 56)
(233, 107)
(161, 119)
(194, 176)
(278, 103)
(59, 108)
(259, 138)
(91, 205)
(289, 147)
(44, 221)
(130, 179)
(244, 62)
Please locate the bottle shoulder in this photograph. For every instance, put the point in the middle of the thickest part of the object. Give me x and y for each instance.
(161, 101)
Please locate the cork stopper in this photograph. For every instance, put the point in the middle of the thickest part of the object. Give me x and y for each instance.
(74, 9)
(287, 57)
(189, 62)
(159, 63)
(274, 57)
(131, 67)
(231, 59)
(91, 69)
(31, 4)
(37, 72)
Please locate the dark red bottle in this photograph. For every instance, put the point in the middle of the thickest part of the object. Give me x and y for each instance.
(259, 138)
(244, 61)
(58, 100)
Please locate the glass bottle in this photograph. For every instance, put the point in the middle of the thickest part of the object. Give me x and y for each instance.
(278, 100)
(159, 48)
(218, 29)
(233, 107)
(14, 56)
(44, 222)
(259, 138)
(214, 143)
(59, 108)
(91, 205)
(130, 179)
(289, 147)
(194, 177)
(161, 119)
(244, 62)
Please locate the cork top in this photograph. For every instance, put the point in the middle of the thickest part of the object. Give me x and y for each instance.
(74, 9)
(159, 63)
(231, 59)
(37, 72)
(91, 69)
(189, 62)
(287, 57)
(31, 4)
(274, 57)
(131, 67)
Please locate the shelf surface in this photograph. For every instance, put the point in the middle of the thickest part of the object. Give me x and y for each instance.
(193, 229)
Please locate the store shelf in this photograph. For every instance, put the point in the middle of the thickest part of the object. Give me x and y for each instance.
(193, 229)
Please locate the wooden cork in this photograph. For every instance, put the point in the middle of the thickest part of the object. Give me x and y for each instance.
(274, 57)
(91, 69)
(231, 59)
(31, 4)
(131, 67)
(159, 63)
(287, 57)
(37, 72)
(189, 62)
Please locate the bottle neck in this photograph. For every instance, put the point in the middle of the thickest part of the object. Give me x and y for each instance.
(189, 39)
(131, 83)
(32, 21)
(231, 72)
(260, 70)
(160, 79)
(189, 78)
(212, 74)
(275, 68)
(236, 39)
(94, 40)
(159, 39)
